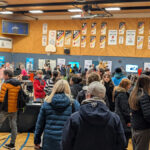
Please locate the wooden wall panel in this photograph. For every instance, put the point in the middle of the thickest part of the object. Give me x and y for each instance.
(33, 44)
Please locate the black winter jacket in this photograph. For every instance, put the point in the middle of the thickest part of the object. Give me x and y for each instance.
(140, 119)
(75, 89)
(122, 107)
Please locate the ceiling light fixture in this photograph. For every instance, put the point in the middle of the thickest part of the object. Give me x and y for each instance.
(75, 10)
(76, 16)
(6, 12)
(113, 8)
(36, 11)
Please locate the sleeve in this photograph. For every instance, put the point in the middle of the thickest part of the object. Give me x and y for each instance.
(37, 87)
(121, 140)
(76, 105)
(124, 106)
(40, 124)
(3, 92)
(68, 136)
(145, 106)
(46, 89)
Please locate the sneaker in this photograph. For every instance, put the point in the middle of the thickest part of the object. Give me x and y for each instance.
(10, 146)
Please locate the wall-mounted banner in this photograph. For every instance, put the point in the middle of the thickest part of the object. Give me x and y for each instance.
(29, 64)
(122, 27)
(103, 28)
(108, 64)
(141, 27)
(140, 41)
(45, 26)
(121, 39)
(130, 37)
(60, 38)
(112, 37)
(84, 28)
(146, 65)
(92, 41)
(5, 42)
(52, 37)
(148, 42)
(102, 41)
(61, 61)
(93, 28)
(44, 40)
(87, 64)
(83, 41)
(68, 35)
(76, 38)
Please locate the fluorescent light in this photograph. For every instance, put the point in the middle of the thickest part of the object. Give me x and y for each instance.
(75, 10)
(76, 16)
(36, 11)
(113, 8)
(6, 12)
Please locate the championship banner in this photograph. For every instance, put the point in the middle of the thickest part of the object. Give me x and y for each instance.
(68, 37)
(140, 41)
(84, 28)
(103, 28)
(122, 27)
(93, 28)
(83, 41)
(76, 38)
(102, 41)
(92, 41)
(60, 38)
(141, 27)
(52, 37)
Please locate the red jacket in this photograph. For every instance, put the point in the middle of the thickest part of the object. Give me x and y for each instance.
(39, 88)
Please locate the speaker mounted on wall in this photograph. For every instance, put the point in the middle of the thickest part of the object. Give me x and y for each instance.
(67, 51)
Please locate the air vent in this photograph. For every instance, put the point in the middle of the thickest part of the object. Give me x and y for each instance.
(3, 3)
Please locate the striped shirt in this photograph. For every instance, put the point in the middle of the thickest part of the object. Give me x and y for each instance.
(49, 86)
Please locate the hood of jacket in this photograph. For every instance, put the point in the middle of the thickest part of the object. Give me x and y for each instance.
(13, 82)
(60, 102)
(95, 112)
(118, 90)
(119, 75)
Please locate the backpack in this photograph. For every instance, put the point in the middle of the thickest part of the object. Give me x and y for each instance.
(23, 98)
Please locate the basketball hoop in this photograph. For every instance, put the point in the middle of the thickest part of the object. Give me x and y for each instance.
(50, 49)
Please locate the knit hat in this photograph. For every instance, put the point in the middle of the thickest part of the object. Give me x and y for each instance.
(118, 70)
(97, 89)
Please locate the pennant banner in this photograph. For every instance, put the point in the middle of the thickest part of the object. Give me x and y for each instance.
(83, 41)
(103, 28)
(93, 28)
(102, 41)
(68, 37)
(76, 38)
(84, 28)
(140, 41)
(92, 41)
(141, 27)
(122, 28)
(60, 38)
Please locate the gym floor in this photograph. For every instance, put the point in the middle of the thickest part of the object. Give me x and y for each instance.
(24, 141)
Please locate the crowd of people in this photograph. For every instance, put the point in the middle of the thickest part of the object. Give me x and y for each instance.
(83, 109)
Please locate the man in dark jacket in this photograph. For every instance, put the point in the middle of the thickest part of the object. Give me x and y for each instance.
(94, 127)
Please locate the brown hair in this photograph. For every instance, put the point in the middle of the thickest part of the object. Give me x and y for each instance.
(125, 83)
(142, 86)
(93, 77)
(39, 72)
(109, 76)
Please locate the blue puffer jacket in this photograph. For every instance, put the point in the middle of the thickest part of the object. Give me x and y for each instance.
(118, 77)
(51, 120)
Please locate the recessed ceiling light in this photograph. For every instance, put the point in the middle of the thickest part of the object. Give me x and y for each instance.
(76, 16)
(113, 8)
(75, 10)
(6, 12)
(36, 11)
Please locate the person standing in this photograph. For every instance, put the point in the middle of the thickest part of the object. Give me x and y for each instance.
(93, 127)
(8, 104)
(139, 102)
(63, 70)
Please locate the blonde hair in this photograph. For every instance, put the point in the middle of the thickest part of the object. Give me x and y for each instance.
(60, 86)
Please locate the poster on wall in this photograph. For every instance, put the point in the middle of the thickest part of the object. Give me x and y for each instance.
(83, 41)
(87, 64)
(5, 42)
(44, 40)
(112, 37)
(2, 60)
(52, 64)
(103, 28)
(84, 28)
(93, 28)
(141, 27)
(121, 40)
(140, 41)
(61, 61)
(148, 42)
(146, 65)
(45, 26)
(102, 41)
(41, 63)
(68, 35)
(76, 38)
(109, 64)
(92, 41)
(122, 27)
(29, 64)
(130, 37)
(60, 38)
(52, 37)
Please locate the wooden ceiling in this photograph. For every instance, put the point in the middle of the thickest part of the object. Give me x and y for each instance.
(60, 7)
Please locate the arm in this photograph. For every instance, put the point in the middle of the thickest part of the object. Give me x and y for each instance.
(40, 124)
(37, 87)
(145, 106)
(3, 92)
(76, 105)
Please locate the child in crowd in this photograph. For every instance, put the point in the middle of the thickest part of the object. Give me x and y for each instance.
(121, 97)
(140, 107)
(109, 90)
(53, 115)
(39, 85)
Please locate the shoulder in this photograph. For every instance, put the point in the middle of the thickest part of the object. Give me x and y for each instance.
(115, 117)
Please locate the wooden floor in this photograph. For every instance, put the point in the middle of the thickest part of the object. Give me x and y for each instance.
(25, 141)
